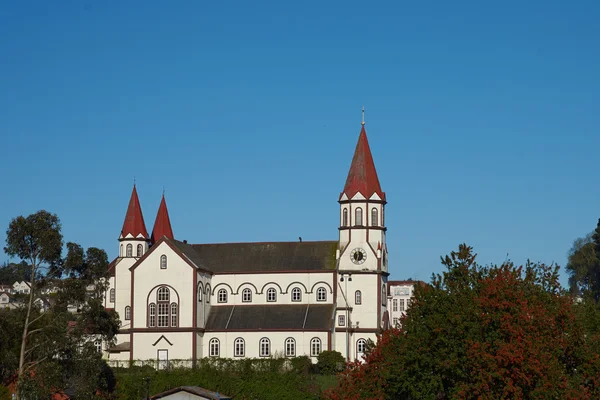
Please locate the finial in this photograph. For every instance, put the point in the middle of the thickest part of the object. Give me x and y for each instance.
(163, 191)
(363, 116)
(134, 181)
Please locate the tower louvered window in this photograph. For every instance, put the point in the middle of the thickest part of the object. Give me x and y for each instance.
(358, 217)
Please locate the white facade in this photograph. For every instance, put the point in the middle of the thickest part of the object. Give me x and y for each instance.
(399, 295)
(21, 287)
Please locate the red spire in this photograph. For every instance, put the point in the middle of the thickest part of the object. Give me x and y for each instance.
(362, 176)
(134, 220)
(162, 225)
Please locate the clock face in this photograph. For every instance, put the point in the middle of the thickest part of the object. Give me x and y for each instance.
(358, 256)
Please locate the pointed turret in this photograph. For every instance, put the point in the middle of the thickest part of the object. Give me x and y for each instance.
(362, 176)
(134, 219)
(162, 225)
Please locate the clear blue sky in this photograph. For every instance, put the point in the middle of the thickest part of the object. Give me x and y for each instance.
(483, 120)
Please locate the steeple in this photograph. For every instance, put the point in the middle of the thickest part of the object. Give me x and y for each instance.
(134, 220)
(362, 176)
(162, 225)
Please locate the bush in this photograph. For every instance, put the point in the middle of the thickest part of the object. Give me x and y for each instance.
(330, 362)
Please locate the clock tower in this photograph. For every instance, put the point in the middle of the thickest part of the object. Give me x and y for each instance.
(362, 258)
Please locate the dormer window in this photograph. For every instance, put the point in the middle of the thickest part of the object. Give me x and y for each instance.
(129, 250)
(163, 262)
(374, 217)
(358, 217)
(140, 250)
(345, 217)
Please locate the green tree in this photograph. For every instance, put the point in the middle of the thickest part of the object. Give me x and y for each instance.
(56, 344)
(330, 362)
(14, 272)
(486, 332)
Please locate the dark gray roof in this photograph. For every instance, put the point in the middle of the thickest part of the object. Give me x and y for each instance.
(125, 346)
(266, 257)
(272, 317)
(193, 390)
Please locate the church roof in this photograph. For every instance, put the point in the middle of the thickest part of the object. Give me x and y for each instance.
(267, 316)
(262, 257)
(134, 219)
(362, 176)
(162, 224)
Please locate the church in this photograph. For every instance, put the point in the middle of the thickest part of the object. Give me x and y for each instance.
(186, 301)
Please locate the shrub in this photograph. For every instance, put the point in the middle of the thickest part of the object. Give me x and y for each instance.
(330, 362)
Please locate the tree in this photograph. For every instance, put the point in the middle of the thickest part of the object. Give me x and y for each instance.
(14, 272)
(583, 266)
(56, 337)
(494, 332)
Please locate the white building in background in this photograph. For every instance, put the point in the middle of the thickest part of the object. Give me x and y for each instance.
(21, 287)
(399, 295)
(179, 300)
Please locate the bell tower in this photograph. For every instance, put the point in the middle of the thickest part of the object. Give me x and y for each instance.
(133, 239)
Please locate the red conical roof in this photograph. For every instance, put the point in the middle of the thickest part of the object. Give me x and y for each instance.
(134, 219)
(362, 176)
(162, 225)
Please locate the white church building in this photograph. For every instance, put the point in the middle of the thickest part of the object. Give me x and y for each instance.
(184, 301)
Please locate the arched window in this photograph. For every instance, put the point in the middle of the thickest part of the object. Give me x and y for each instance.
(265, 347)
(127, 313)
(271, 295)
(361, 345)
(112, 295)
(296, 294)
(121, 251)
(173, 314)
(140, 250)
(129, 250)
(208, 293)
(345, 217)
(290, 347)
(358, 297)
(152, 312)
(321, 294)
(358, 216)
(222, 296)
(239, 347)
(213, 346)
(315, 347)
(163, 262)
(246, 295)
(383, 295)
(163, 294)
(374, 217)
(199, 292)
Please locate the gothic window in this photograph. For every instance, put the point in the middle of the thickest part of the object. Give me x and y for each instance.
(127, 313)
(163, 294)
(239, 347)
(222, 296)
(358, 297)
(296, 294)
(374, 217)
(140, 250)
(152, 311)
(342, 320)
(321, 294)
(271, 295)
(163, 262)
(345, 217)
(246, 295)
(383, 295)
(361, 344)
(199, 293)
(173, 314)
(166, 311)
(265, 347)
(112, 295)
(290, 347)
(315, 347)
(208, 293)
(358, 217)
(129, 250)
(213, 346)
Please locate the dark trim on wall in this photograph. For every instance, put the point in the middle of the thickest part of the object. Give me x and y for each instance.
(268, 330)
(359, 272)
(379, 303)
(375, 228)
(161, 330)
(362, 201)
(358, 330)
(131, 323)
(314, 271)
(194, 314)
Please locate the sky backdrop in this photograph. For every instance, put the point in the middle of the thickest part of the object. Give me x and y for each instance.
(483, 120)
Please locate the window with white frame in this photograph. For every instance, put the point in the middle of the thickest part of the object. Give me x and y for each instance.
(239, 347)
(271, 295)
(265, 347)
(341, 320)
(129, 250)
(165, 312)
(358, 297)
(213, 347)
(152, 315)
(200, 293)
(140, 250)
(395, 305)
(222, 296)
(121, 251)
(315, 347)
(358, 216)
(401, 305)
(112, 295)
(163, 315)
(246, 295)
(127, 313)
(361, 345)
(296, 294)
(321, 294)
(163, 294)
(290, 347)
(374, 217)
(208, 293)
(395, 323)
(345, 217)
(98, 345)
(163, 261)
(173, 314)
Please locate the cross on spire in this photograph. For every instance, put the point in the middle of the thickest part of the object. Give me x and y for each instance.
(363, 116)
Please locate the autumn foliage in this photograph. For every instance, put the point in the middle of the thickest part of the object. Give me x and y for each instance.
(498, 332)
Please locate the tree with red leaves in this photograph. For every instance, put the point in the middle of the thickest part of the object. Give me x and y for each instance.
(497, 332)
